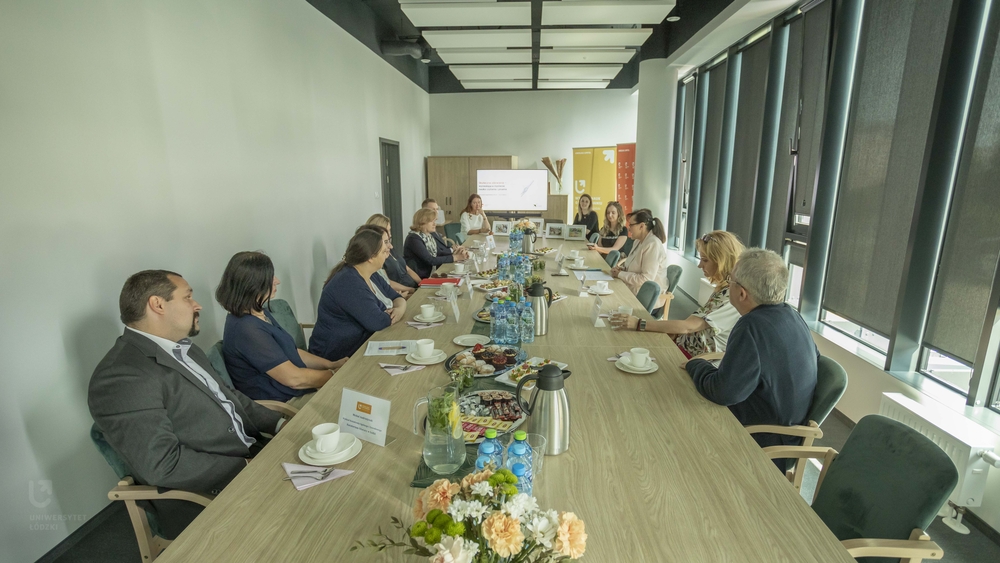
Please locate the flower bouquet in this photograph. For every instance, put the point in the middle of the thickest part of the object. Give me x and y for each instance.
(523, 226)
(485, 520)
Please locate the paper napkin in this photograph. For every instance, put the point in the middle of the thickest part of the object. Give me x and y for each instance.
(303, 483)
(393, 369)
(421, 326)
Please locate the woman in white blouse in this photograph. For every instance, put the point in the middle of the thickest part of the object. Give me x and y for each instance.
(473, 219)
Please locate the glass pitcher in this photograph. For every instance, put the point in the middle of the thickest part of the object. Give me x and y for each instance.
(444, 442)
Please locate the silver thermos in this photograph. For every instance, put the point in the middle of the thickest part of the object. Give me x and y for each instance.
(540, 298)
(548, 410)
(528, 243)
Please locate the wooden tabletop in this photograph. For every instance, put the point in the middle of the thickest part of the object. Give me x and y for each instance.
(657, 472)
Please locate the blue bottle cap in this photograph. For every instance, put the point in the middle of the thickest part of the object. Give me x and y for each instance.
(518, 469)
(487, 447)
(481, 462)
(518, 449)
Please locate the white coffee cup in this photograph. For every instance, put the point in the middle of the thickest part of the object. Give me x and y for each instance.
(327, 435)
(578, 262)
(448, 289)
(625, 310)
(427, 311)
(425, 348)
(574, 254)
(601, 286)
(459, 268)
(638, 357)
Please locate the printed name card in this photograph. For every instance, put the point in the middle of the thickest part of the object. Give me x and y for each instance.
(365, 416)
(491, 242)
(595, 313)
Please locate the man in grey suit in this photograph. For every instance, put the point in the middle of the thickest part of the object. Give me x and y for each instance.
(160, 404)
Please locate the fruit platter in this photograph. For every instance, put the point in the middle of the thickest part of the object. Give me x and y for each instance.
(493, 285)
(482, 410)
(487, 274)
(528, 367)
(544, 250)
(487, 360)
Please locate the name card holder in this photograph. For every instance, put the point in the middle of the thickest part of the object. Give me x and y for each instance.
(365, 416)
(595, 313)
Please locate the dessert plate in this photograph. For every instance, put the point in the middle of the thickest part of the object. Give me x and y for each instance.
(345, 450)
(434, 319)
(627, 368)
(469, 340)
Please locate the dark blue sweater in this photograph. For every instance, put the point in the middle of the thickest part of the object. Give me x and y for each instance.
(349, 313)
(768, 374)
(417, 257)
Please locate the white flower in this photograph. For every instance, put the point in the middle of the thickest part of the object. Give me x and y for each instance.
(476, 510)
(454, 550)
(520, 505)
(542, 528)
(458, 509)
(482, 488)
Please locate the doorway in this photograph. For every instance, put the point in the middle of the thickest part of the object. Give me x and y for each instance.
(392, 195)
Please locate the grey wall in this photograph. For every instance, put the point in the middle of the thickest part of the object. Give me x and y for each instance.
(164, 135)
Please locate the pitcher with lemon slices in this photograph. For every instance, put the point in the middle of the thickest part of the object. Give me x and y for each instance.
(444, 445)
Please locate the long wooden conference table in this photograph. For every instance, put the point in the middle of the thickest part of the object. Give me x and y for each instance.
(657, 472)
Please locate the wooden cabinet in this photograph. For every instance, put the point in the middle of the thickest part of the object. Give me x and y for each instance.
(452, 179)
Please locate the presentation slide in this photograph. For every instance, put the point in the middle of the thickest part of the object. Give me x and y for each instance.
(513, 190)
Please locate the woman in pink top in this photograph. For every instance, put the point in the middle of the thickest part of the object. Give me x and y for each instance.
(648, 259)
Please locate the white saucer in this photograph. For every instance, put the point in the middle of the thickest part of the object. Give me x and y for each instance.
(436, 358)
(593, 291)
(471, 340)
(572, 267)
(342, 457)
(434, 319)
(441, 293)
(622, 365)
(344, 443)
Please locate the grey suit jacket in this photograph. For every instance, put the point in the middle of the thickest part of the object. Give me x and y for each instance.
(167, 425)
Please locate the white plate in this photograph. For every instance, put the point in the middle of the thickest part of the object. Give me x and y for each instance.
(578, 268)
(441, 293)
(506, 380)
(471, 340)
(436, 358)
(434, 319)
(593, 291)
(344, 443)
(309, 460)
(629, 369)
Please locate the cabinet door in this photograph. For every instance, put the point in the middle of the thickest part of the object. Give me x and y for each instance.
(448, 183)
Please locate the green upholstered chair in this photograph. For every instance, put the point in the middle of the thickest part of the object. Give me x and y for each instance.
(454, 232)
(649, 293)
(673, 277)
(219, 364)
(831, 382)
(882, 491)
(283, 313)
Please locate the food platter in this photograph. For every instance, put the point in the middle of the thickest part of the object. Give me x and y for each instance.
(493, 285)
(486, 274)
(487, 359)
(482, 410)
(482, 315)
(512, 376)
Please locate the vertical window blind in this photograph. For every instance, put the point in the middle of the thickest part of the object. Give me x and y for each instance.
(788, 133)
(972, 240)
(687, 145)
(713, 144)
(899, 61)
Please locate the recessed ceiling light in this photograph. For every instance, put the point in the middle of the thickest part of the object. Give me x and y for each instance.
(425, 61)
(673, 18)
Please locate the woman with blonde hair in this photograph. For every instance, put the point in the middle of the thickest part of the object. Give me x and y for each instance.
(707, 330)
(424, 249)
(610, 241)
(585, 214)
(395, 271)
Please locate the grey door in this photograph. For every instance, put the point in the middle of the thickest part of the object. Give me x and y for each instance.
(392, 196)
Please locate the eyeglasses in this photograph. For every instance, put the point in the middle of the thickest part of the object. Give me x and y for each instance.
(705, 239)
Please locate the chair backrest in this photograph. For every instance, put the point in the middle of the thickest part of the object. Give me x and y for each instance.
(452, 231)
(283, 313)
(219, 363)
(887, 480)
(648, 294)
(831, 382)
(673, 276)
(627, 247)
(117, 464)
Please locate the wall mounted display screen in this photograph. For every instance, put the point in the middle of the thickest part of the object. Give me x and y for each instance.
(513, 190)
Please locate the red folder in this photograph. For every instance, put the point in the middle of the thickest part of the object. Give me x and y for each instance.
(436, 282)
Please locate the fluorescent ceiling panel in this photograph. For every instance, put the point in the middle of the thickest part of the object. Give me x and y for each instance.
(605, 12)
(484, 56)
(478, 38)
(468, 14)
(630, 37)
(578, 72)
(497, 84)
(571, 84)
(591, 56)
(491, 72)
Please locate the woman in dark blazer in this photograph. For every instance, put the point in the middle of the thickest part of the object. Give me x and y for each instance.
(585, 215)
(401, 277)
(424, 249)
(356, 300)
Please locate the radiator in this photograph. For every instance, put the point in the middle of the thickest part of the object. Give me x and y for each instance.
(959, 437)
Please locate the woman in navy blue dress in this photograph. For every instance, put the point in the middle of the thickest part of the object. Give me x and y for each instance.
(356, 301)
(260, 356)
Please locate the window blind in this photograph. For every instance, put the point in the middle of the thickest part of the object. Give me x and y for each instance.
(815, 64)
(713, 144)
(777, 221)
(899, 60)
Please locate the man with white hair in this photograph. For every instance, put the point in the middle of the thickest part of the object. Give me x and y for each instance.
(768, 373)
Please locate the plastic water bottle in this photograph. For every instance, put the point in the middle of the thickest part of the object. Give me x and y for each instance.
(495, 320)
(520, 437)
(513, 325)
(520, 470)
(491, 437)
(529, 268)
(501, 323)
(482, 461)
(488, 450)
(502, 266)
(527, 324)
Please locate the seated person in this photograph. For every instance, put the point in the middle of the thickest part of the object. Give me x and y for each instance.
(401, 277)
(585, 215)
(648, 260)
(611, 239)
(473, 219)
(424, 249)
(260, 356)
(160, 404)
(768, 374)
(432, 204)
(356, 301)
(707, 330)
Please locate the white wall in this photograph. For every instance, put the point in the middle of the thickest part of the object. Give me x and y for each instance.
(531, 125)
(170, 135)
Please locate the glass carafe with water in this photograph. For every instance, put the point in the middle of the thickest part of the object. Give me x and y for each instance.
(444, 442)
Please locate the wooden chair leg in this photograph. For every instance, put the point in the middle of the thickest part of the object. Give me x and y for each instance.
(920, 535)
(150, 546)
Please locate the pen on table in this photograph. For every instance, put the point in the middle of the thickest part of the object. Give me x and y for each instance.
(390, 348)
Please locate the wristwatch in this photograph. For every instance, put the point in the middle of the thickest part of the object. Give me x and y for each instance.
(641, 325)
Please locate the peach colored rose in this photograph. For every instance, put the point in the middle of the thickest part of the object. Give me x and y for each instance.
(571, 539)
(438, 495)
(469, 480)
(418, 507)
(503, 534)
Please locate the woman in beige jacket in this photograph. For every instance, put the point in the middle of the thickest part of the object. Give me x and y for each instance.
(648, 259)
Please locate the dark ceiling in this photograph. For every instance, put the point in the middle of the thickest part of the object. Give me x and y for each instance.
(374, 21)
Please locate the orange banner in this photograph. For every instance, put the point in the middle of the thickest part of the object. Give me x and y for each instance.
(626, 176)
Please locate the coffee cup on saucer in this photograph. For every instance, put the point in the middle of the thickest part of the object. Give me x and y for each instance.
(427, 311)
(578, 262)
(327, 436)
(459, 268)
(574, 254)
(425, 348)
(448, 289)
(601, 286)
(638, 358)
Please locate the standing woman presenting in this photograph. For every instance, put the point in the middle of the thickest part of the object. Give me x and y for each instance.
(474, 221)
(585, 215)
